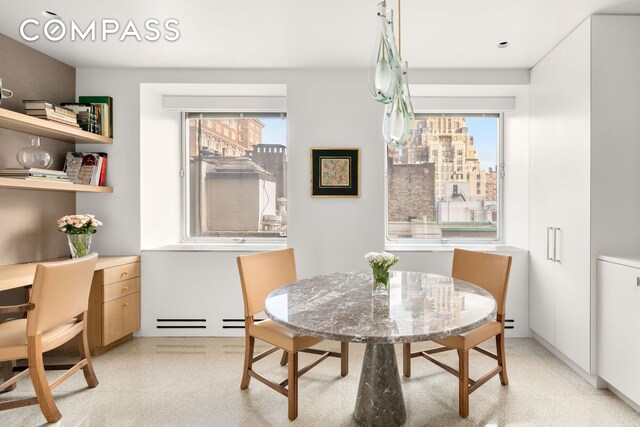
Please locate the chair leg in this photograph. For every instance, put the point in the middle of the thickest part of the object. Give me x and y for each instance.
(463, 372)
(504, 379)
(39, 379)
(284, 359)
(83, 348)
(8, 374)
(292, 389)
(248, 360)
(344, 359)
(406, 359)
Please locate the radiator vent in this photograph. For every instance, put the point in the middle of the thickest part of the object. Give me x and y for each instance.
(181, 323)
(511, 321)
(235, 323)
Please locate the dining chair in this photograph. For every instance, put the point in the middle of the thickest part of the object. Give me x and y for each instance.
(490, 272)
(56, 313)
(259, 275)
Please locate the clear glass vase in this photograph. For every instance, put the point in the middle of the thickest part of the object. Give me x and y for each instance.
(79, 244)
(34, 156)
(380, 283)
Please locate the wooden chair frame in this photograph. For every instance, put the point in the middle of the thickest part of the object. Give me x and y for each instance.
(466, 384)
(36, 367)
(258, 270)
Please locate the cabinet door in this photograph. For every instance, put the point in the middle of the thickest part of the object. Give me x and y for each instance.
(573, 212)
(121, 317)
(544, 165)
(618, 320)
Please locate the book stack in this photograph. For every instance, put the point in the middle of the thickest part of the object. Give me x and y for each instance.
(36, 174)
(86, 114)
(86, 168)
(55, 113)
(103, 106)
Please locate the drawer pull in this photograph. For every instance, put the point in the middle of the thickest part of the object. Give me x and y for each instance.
(637, 281)
(124, 273)
(126, 288)
(125, 304)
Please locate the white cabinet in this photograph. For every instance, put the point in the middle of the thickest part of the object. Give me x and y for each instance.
(560, 284)
(617, 325)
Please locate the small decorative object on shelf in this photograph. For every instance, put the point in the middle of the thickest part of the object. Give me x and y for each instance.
(4, 93)
(381, 262)
(78, 229)
(34, 156)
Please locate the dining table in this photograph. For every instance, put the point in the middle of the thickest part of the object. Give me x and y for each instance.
(342, 307)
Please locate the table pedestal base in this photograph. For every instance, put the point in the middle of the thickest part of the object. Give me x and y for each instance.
(380, 401)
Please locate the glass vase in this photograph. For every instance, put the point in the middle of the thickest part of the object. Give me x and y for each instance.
(380, 283)
(34, 156)
(79, 244)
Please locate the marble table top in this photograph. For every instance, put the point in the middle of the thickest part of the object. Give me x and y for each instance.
(419, 307)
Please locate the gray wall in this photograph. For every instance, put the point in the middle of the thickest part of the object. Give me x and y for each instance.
(28, 218)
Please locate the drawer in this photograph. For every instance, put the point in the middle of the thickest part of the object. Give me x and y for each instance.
(121, 272)
(121, 317)
(120, 289)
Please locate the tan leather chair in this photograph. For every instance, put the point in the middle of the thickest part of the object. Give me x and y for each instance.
(259, 275)
(490, 272)
(57, 313)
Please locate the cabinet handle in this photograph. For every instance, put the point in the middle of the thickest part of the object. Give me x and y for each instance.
(555, 244)
(124, 304)
(126, 288)
(124, 273)
(548, 258)
(638, 281)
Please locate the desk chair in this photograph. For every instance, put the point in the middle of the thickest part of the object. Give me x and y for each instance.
(56, 313)
(259, 275)
(490, 272)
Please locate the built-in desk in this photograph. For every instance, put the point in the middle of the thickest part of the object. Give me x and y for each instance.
(114, 302)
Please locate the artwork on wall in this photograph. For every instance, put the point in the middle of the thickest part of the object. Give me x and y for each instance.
(335, 172)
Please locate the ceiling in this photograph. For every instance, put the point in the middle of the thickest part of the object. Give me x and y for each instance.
(461, 34)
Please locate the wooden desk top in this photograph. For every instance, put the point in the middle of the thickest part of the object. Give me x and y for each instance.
(19, 275)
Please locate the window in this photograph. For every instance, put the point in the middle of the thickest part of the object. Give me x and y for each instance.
(235, 191)
(425, 206)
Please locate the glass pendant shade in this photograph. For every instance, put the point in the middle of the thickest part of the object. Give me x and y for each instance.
(383, 73)
(34, 156)
(396, 127)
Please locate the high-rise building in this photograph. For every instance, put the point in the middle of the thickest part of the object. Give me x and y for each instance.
(224, 137)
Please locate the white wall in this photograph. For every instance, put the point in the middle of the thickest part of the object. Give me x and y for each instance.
(325, 108)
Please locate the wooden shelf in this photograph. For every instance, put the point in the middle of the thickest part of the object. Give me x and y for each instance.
(23, 184)
(48, 129)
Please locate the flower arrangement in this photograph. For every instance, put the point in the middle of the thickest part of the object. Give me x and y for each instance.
(381, 262)
(78, 229)
(78, 224)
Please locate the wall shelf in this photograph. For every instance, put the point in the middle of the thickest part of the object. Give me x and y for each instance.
(23, 184)
(48, 129)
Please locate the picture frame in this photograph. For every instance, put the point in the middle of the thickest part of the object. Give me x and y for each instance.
(335, 172)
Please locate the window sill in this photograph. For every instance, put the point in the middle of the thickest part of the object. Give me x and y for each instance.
(219, 247)
(449, 247)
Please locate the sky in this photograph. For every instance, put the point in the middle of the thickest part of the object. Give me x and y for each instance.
(274, 131)
(485, 138)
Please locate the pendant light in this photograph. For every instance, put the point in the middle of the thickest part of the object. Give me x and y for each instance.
(388, 82)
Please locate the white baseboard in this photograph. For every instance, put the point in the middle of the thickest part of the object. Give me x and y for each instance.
(590, 378)
(622, 397)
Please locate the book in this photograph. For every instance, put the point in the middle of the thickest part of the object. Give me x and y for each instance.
(48, 179)
(86, 168)
(52, 114)
(44, 105)
(33, 171)
(107, 112)
(86, 114)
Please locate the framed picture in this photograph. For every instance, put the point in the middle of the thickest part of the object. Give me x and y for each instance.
(335, 172)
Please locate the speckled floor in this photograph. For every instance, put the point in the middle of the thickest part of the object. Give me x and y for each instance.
(195, 382)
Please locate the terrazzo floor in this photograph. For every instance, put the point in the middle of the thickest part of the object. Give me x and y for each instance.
(196, 382)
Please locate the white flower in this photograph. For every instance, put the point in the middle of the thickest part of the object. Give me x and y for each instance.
(381, 259)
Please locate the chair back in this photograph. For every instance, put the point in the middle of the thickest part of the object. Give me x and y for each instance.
(262, 273)
(489, 271)
(60, 292)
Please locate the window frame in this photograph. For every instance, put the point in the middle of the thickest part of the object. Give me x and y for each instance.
(239, 241)
(425, 244)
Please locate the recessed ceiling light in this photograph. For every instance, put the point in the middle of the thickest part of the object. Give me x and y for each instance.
(49, 14)
(502, 45)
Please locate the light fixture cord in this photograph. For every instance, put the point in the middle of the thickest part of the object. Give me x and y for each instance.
(399, 31)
